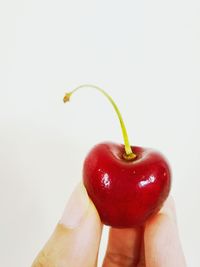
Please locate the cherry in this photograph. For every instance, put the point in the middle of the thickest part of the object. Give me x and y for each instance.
(127, 184)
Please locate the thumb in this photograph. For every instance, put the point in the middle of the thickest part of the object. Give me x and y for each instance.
(75, 241)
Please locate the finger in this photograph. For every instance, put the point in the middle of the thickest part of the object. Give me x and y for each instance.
(123, 247)
(141, 262)
(75, 241)
(162, 244)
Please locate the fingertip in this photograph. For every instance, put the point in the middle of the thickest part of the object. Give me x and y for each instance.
(161, 238)
(76, 207)
(75, 241)
(167, 211)
(169, 208)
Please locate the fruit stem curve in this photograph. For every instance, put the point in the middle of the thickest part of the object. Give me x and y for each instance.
(128, 155)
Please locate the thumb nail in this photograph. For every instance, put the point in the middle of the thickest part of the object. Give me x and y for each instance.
(76, 207)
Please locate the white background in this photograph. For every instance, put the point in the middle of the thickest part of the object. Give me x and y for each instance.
(145, 54)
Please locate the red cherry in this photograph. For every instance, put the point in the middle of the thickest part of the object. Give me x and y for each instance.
(126, 193)
(126, 184)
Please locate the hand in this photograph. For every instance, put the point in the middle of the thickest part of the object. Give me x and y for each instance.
(75, 241)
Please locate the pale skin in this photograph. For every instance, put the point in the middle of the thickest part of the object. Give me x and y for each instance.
(76, 239)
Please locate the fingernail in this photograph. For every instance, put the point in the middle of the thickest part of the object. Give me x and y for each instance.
(76, 208)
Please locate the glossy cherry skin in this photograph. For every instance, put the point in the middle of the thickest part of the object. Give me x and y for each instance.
(126, 193)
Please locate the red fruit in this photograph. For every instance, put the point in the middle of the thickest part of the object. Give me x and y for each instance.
(126, 184)
(126, 193)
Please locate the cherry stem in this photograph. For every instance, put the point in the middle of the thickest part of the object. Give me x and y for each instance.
(129, 155)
